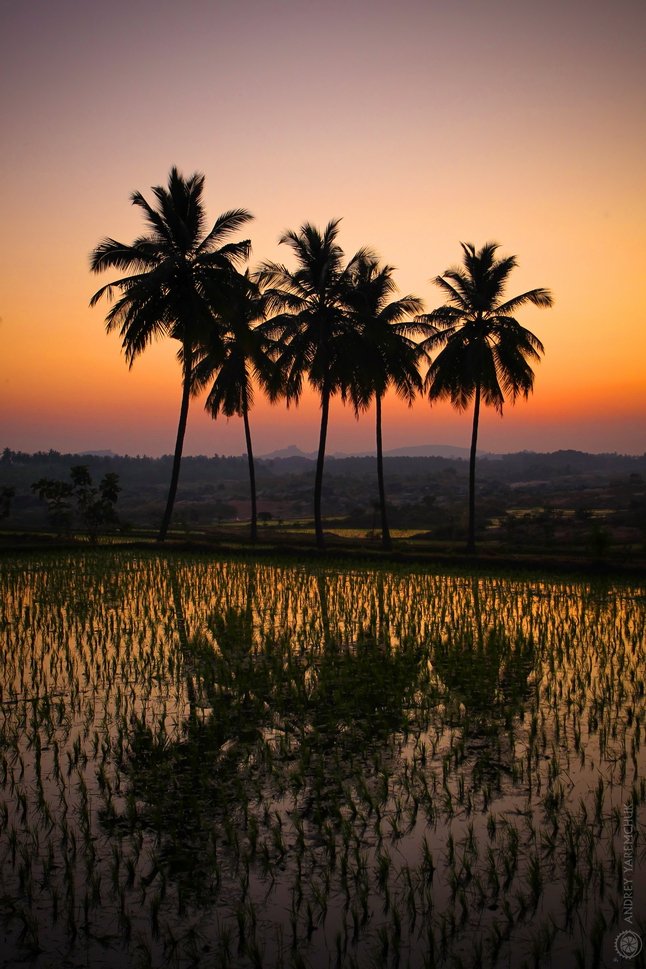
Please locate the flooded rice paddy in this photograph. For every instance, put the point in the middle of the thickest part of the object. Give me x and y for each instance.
(230, 764)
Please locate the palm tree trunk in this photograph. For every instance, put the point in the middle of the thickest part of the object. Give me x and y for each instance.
(179, 444)
(471, 537)
(385, 533)
(252, 475)
(318, 482)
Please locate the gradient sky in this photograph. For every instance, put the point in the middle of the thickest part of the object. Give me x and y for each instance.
(422, 124)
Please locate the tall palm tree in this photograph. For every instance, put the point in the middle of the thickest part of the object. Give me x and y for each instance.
(174, 277)
(313, 326)
(485, 353)
(236, 355)
(389, 358)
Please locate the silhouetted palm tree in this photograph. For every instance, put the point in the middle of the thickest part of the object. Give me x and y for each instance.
(313, 326)
(174, 277)
(486, 352)
(236, 355)
(388, 356)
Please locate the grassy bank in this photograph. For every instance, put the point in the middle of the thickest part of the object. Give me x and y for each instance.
(413, 548)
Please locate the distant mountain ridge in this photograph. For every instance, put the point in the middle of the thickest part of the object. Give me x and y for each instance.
(412, 451)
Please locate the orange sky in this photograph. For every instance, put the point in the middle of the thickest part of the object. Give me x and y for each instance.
(421, 124)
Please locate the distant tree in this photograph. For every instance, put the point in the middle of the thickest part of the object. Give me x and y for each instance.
(95, 507)
(6, 496)
(388, 357)
(236, 355)
(58, 496)
(175, 276)
(485, 353)
(312, 323)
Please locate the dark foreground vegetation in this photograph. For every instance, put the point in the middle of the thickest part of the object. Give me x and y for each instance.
(561, 505)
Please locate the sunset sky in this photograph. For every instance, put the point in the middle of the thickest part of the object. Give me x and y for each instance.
(420, 123)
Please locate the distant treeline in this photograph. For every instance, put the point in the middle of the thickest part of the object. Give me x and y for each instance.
(145, 469)
(426, 492)
(17, 466)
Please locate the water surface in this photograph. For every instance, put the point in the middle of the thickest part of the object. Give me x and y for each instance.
(218, 763)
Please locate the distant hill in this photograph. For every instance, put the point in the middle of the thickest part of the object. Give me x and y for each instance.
(414, 451)
(291, 451)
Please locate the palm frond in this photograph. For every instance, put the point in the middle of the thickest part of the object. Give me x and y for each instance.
(509, 329)
(110, 254)
(442, 318)
(515, 374)
(456, 287)
(224, 225)
(154, 219)
(538, 297)
(227, 257)
(274, 275)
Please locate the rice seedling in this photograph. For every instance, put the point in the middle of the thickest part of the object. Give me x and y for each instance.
(327, 765)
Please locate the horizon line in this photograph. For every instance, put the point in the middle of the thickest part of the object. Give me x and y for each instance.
(332, 455)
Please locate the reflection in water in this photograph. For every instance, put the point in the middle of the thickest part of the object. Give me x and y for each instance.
(250, 765)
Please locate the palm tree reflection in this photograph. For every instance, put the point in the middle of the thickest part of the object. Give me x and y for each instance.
(272, 729)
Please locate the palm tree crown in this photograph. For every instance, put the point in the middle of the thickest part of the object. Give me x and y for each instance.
(236, 353)
(235, 357)
(388, 356)
(171, 270)
(485, 352)
(311, 321)
(173, 280)
(485, 349)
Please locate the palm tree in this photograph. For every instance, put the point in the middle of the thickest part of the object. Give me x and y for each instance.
(235, 355)
(388, 356)
(313, 326)
(486, 353)
(175, 274)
